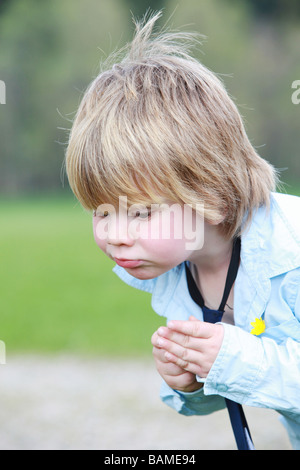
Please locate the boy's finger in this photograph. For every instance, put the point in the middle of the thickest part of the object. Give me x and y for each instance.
(169, 367)
(159, 354)
(184, 340)
(154, 338)
(197, 329)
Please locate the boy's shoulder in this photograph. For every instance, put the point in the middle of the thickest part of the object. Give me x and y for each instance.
(282, 216)
(286, 218)
(289, 208)
(273, 238)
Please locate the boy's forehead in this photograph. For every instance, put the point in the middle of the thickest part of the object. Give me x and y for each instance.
(140, 188)
(124, 202)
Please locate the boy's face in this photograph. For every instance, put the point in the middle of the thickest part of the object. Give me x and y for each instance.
(148, 241)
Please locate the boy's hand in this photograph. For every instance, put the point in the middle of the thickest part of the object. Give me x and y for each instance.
(191, 345)
(175, 376)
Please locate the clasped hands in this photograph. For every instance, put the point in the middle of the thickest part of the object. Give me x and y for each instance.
(185, 349)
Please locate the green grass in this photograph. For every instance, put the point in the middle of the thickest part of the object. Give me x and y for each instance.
(58, 292)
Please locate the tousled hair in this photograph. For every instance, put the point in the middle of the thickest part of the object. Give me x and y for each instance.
(158, 125)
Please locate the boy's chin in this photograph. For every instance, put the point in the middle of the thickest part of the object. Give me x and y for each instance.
(144, 274)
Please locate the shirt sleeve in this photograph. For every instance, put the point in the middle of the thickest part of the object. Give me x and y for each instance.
(256, 371)
(192, 403)
(262, 371)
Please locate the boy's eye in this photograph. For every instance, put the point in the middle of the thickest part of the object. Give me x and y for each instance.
(101, 213)
(141, 214)
(136, 212)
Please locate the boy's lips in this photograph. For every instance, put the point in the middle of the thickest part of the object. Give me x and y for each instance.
(128, 263)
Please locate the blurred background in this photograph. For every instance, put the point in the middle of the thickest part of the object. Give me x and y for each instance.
(58, 294)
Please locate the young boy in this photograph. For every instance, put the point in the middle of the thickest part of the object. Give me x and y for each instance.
(155, 135)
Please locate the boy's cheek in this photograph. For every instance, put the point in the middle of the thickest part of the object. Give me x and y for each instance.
(94, 229)
(100, 242)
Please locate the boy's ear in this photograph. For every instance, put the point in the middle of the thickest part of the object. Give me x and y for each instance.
(220, 219)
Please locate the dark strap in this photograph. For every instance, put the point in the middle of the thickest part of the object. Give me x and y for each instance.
(237, 417)
(239, 425)
(231, 276)
(232, 272)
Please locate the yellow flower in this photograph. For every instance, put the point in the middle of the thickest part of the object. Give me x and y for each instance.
(259, 327)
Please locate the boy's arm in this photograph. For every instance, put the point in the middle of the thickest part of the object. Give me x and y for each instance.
(193, 403)
(256, 371)
(180, 389)
(264, 370)
(248, 369)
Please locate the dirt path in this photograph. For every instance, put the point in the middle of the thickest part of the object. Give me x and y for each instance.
(78, 403)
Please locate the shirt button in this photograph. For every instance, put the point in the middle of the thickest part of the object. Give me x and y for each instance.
(222, 388)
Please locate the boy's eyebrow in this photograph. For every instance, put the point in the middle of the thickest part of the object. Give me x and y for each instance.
(147, 204)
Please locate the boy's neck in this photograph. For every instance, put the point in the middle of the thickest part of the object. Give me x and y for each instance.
(215, 254)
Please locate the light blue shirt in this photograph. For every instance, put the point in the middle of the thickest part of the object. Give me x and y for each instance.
(263, 370)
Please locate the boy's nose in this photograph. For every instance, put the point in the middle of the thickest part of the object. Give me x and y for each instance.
(118, 233)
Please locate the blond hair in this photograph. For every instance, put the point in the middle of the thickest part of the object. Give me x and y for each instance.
(158, 125)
